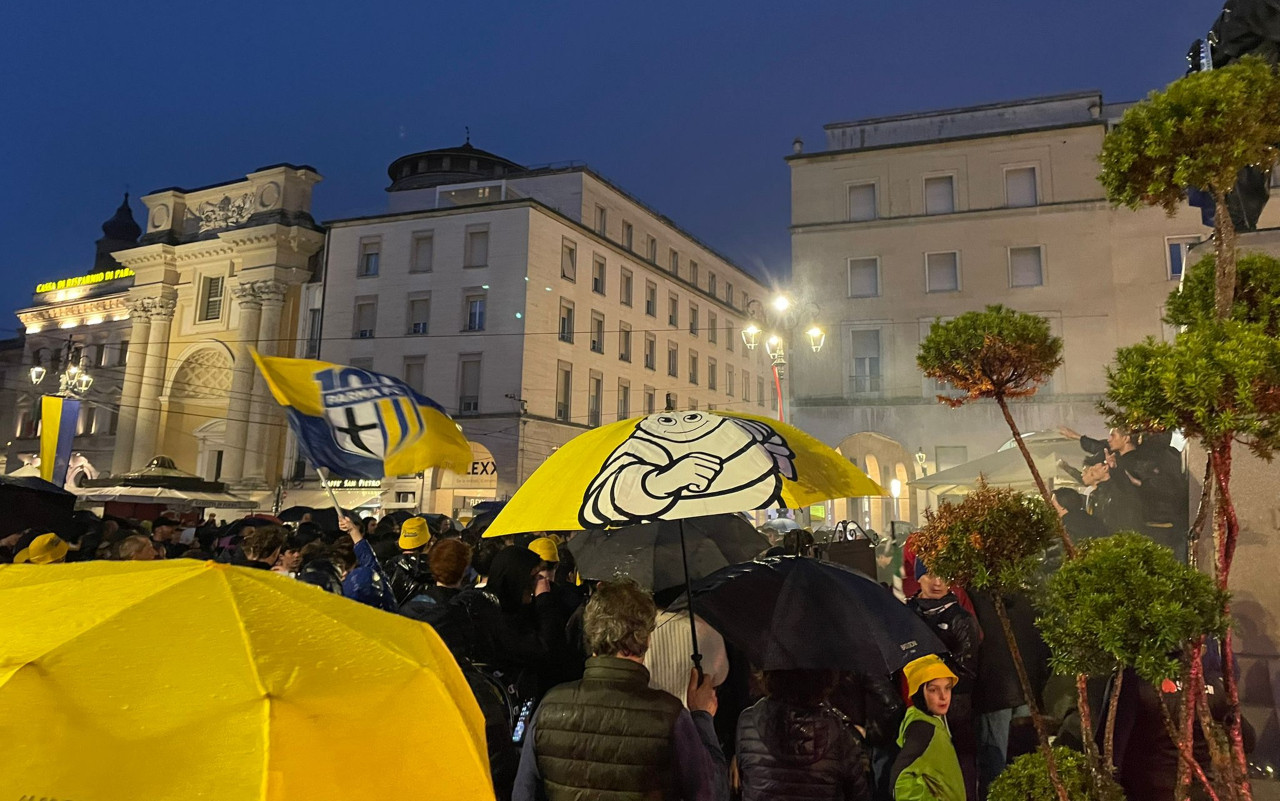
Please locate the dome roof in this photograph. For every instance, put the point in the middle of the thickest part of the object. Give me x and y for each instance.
(449, 165)
(122, 227)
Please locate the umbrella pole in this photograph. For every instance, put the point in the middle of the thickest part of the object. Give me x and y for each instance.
(688, 589)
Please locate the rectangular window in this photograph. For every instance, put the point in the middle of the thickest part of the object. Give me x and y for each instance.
(568, 260)
(651, 299)
(693, 319)
(469, 383)
(476, 247)
(122, 354)
(711, 374)
(729, 337)
(650, 352)
(746, 387)
(566, 320)
(711, 284)
(624, 399)
(651, 250)
(940, 194)
(595, 398)
(673, 261)
(564, 391)
(1026, 266)
(602, 220)
(628, 236)
(864, 277)
(419, 312)
(673, 359)
(673, 310)
(624, 342)
(693, 404)
(625, 284)
(671, 401)
(942, 272)
(1020, 186)
(693, 367)
(370, 254)
(693, 272)
(713, 330)
(862, 202)
(422, 259)
(315, 321)
(650, 400)
(1177, 247)
(473, 311)
(728, 380)
(865, 351)
(597, 332)
(415, 370)
(366, 317)
(99, 358)
(597, 275)
(211, 298)
(728, 292)
(760, 393)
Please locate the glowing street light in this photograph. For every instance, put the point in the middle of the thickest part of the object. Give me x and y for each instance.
(773, 347)
(749, 336)
(781, 303)
(817, 338)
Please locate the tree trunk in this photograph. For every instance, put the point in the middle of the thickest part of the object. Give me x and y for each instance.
(1188, 762)
(1109, 737)
(1185, 734)
(1042, 734)
(1086, 723)
(1226, 535)
(1224, 257)
(1067, 545)
(1202, 513)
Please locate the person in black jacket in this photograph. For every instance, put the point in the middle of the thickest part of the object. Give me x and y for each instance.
(938, 606)
(410, 571)
(875, 707)
(792, 745)
(1080, 525)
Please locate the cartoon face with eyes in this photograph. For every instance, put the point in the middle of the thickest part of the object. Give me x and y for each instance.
(686, 464)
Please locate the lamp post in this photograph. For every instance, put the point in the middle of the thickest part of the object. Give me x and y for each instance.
(73, 382)
(780, 319)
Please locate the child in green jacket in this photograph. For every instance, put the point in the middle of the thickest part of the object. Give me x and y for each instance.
(927, 768)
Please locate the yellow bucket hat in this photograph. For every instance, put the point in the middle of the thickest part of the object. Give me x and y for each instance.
(920, 672)
(414, 533)
(546, 548)
(43, 550)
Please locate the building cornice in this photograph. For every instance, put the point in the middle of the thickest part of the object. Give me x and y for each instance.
(1096, 204)
(819, 155)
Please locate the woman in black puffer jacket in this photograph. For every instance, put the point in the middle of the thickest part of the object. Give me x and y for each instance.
(794, 746)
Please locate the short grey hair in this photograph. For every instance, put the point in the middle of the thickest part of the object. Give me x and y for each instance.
(619, 619)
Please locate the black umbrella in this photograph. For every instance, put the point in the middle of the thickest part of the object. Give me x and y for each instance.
(650, 553)
(796, 613)
(485, 513)
(294, 514)
(30, 502)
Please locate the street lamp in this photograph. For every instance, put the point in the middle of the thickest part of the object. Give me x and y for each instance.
(73, 381)
(785, 316)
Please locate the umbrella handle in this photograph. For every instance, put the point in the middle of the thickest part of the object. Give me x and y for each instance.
(688, 589)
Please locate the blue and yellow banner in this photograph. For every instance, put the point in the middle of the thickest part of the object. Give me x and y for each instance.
(360, 424)
(58, 417)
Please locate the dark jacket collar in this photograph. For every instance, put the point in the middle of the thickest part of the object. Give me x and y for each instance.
(616, 669)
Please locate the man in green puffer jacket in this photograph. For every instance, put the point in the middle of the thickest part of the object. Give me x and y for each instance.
(926, 768)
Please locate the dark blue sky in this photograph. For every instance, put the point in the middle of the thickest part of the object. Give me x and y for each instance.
(689, 105)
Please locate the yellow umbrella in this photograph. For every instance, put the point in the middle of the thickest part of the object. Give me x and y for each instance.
(193, 680)
(676, 465)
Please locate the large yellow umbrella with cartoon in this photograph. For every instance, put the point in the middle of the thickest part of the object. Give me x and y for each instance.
(675, 465)
(195, 680)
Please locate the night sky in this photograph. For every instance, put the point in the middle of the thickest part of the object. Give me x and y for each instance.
(691, 106)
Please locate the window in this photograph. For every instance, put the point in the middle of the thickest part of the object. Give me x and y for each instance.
(469, 383)
(713, 332)
(602, 220)
(415, 368)
(673, 261)
(650, 351)
(693, 367)
(625, 283)
(744, 300)
(1026, 267)
(949, 456)
(864, 277)
(1020, 186)
(671, 400)
(211, 298)
(122, 354)
(693, 272)
(473, 310)
(370, 254)
(624, 342)
(1177, 248)
(862, 202)
(711, 374)
(693, 319)
(650, 400)
(940, 194)
(564, 391)
(628, 236)
(366, 317)
(651, 299)
(597, 275)
(728, 292)
(711, 284)
(760, 393)
(693, 404)
(568, 260)
(746, 387)
(476, 246)
(673, 359)
(729, 336)
(419, 312)
(624, 399)
(673, 310)
(115, 422)
(942, 272)
(651, 250)
(99, 358)
(597, 332)
(728, 380)
(315, 321)
(422, 258)
(595, 398)
(865, 351)
(566, 320)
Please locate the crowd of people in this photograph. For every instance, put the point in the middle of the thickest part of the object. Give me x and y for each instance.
(587, 690)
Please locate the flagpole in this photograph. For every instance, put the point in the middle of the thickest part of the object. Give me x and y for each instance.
(323, 472)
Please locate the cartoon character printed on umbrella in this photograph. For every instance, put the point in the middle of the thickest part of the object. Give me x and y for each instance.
(685, 464)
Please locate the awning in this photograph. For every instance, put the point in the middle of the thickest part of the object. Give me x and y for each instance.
(166, 495)
(1008, 468)
(318, 498)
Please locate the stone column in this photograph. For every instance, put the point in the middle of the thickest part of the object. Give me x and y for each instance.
(236, 438)
(153, 370)
(271, 295)
(127, 420)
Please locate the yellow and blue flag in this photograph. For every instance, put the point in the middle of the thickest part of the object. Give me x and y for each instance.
(58, 419)
(361, 424)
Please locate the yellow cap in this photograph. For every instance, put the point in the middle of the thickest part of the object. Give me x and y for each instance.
(414, 533)
(546, 548)
(43, 550)
(920, 672)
